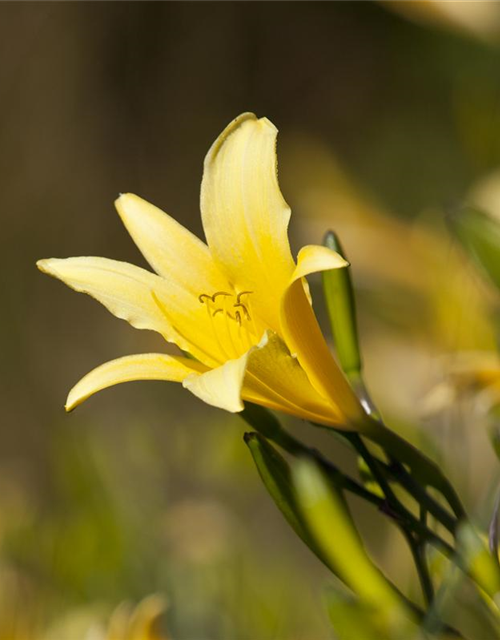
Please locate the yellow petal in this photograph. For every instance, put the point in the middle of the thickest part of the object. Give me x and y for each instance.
(276, 379)
(147, 366)
(187, 266)
(244, 214)
(174, 252)
(266, 374)
(303, 336)
(220, 387)
(145, 621)
(142, 298)
(122, 288)
(313, 258)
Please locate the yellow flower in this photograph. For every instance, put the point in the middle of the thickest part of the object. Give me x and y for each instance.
(473, 375)
(140, 623)
(239, 305)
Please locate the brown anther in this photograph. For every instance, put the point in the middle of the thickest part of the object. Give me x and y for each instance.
(202, 296)
(217, 311)
(236, 317)
(242, 293)
(219, 293)
(245, 310)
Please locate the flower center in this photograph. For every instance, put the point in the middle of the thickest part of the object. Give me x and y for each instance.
(232, 321)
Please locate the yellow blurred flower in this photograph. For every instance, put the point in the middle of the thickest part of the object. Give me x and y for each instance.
(141, 623)
(472, 374)
(238, 305)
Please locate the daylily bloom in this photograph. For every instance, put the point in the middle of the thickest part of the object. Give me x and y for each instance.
(238, 306)
(473, 375)
(142, 622)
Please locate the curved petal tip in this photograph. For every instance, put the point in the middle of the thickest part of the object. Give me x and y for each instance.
(44, 265)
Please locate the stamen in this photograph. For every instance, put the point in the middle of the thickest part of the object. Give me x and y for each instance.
(202, 296)
(241, 314)
(213, 327)
(163, 309)
(236, 317)
(251, 332)
(228, 328)
(245, 310)
(242, 293)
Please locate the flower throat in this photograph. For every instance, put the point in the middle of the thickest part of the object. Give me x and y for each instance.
(232, 320)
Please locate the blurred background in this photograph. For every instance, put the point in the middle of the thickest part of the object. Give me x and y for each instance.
(389, 117)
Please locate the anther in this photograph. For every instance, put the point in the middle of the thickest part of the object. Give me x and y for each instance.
(245, 310)
(242, 293)
(236, 317)
(217, 311)
(220, 293)
(202, 296)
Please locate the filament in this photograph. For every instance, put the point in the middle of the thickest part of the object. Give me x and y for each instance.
(161, 306)
(239, 313)
(214, 328)
(251, 316)
(227, 316)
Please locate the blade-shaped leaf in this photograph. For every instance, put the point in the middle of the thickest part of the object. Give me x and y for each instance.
(276, 476)
(328, 519)
(478, 562)
(351, 618)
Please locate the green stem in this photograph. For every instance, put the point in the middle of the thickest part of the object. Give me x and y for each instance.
(404, 518)
(423, 515)
(414, 488)
(419, 463)
(267, 425)
(426, 470)
(432, 623)
(359, 387)
(426, 502)
(418, 553)
(417, 545)
(373, 465)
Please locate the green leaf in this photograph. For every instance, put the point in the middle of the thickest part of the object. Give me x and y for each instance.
(478, 562)
(351, 618)
(276, 476)
(329, 521)
(266, 423)
(479, 234)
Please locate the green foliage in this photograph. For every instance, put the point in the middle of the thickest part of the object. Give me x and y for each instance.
(326, 512)
(328, 517)
(479, 234)
(351, 617)
(276, 476)
(478, 561)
